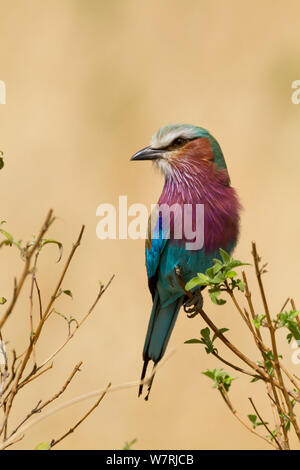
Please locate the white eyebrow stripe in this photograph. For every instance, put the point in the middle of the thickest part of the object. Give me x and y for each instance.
(162, 140)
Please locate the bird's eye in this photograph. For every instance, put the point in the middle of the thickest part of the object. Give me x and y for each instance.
(178, 141)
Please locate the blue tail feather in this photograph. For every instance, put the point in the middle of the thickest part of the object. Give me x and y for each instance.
(160, 327)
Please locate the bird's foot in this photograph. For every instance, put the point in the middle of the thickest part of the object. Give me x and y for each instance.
(194, 305)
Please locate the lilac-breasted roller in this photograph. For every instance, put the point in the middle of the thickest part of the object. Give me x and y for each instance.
(195, 172)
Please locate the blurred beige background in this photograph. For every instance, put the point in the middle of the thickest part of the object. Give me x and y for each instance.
(88, 82)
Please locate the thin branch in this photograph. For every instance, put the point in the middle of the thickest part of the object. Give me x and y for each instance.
(79, 324)
(264, 350)
(264, 423)
(239, 369)
(13, 369)
(231, 346)
(238, 353)
(39, 298)
(252, 311)
(277, 418)
(294, 308)
(55, 442)
(32, 377)
(66, 384)
(31, 302)
(13, 442)
(225, 396)
(39, 407)
(41, 323)
(284, 305)
(273, 340)
(86, 396)
(18, 285)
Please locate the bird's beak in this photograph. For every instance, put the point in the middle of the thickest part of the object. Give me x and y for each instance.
(148, 154)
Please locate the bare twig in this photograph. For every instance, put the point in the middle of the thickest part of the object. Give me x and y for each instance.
(11, 443)
(84, 397)
(239, 369)
(16, 372)
(32, 376)
(264, 423)
(41, 323)
(55, 442)
(61, 391)
(29, 253)
(79, 324)
(228, 402)
(273, 340)
(40, 406)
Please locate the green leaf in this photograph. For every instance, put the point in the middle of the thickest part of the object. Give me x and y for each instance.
(209, 272)
(225, 256)
(220, 377)
(268, 357)
(231, 274)
(192, 283)
(218, 279)
(235, 263)
(255, 379)
(221, 330)
(217, 261)
(128, 445)
(252, 418)
(7, 235)
(1, 160)
(193, 341)
(289, 337)
(241, 285)
(258, 320)
(43, 446)
(200, 280)
(205, 339)
(60, 247)
(209, 373)
(217, 267)
(68, 292)
(287, 422)
(273, 435)
(288, 320)
(214, 293)
(2, 300)
(255, 423)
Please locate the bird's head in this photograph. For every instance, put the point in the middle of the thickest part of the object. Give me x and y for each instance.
(175, 146)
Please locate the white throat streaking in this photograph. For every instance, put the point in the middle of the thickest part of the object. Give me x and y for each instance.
(164, 165)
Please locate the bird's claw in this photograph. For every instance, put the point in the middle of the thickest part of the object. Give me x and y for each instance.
(194, 305)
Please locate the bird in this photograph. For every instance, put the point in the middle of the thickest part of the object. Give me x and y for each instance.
(195, 174)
